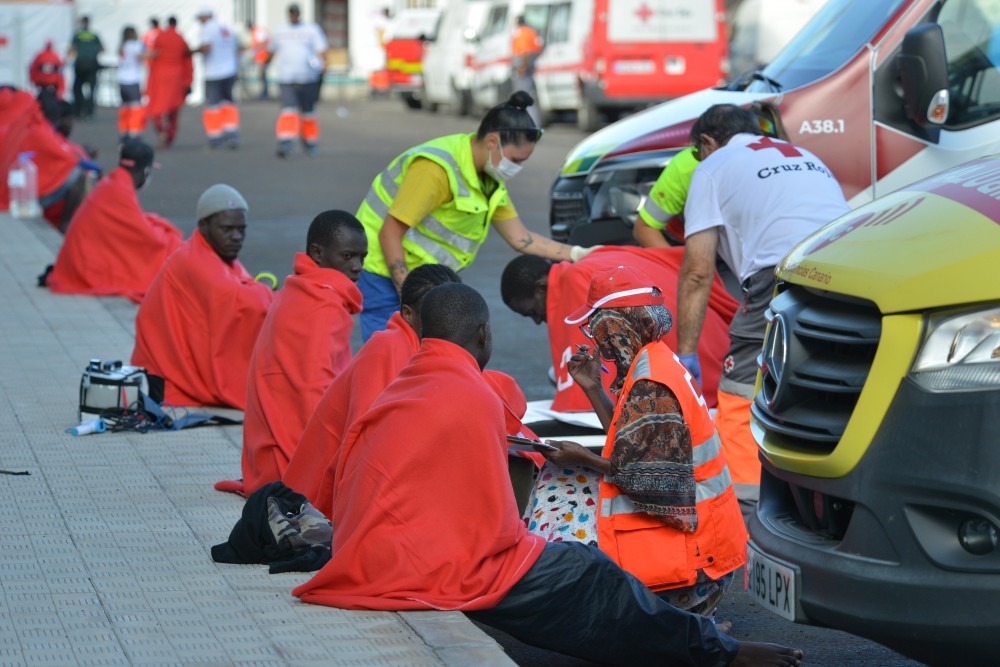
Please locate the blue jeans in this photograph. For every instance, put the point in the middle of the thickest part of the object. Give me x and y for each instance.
(381, 300)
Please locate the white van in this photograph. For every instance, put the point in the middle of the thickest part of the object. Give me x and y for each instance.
(448, 56)
(491, 63)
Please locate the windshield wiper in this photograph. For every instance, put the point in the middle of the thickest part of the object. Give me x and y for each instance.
(760, 76)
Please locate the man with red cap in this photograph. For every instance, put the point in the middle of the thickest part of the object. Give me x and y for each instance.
(424, 518)
(304, 344)
(548, 292)
(197, 326)
(110, 219)
(663, 505)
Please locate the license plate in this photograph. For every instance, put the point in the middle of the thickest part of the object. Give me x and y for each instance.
(633, 67)
(771, 584)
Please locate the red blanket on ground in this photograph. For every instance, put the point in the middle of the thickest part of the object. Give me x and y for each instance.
(23, 128)
(169, 73)
(197, 326)
(313, 465)
(567, 291)
(304, 344)
(424, 515)
(112, 247)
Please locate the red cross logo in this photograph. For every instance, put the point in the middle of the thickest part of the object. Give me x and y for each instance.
(787, 150)
(644, 13)
(3, 40)
(728, 364)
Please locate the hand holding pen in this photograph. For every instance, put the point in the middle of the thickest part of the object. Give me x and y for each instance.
(585, 368)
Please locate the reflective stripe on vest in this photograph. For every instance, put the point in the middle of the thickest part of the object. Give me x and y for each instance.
(653, 209)
(426, 243)
(395, 170)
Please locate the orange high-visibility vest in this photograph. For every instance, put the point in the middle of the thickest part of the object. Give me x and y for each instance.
(660, 556)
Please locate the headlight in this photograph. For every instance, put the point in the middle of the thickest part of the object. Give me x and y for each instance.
(620, 192)
(961, 352)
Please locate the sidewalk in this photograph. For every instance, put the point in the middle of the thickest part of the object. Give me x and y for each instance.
(105, 546)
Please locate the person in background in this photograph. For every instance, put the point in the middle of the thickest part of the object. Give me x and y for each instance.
(220, 54)
(169, 82)
(301, 51)
(149, 37)
(751, 200)
(197, 326)
(525, 47)
(84, 51)
(45, 72)
(131, 114)
(113, 247)
(260, 43)
(313, 465)
(304, 345)
(436, 202)
(395, 549)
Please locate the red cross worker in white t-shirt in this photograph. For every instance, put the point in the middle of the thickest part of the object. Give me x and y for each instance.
(752, 198)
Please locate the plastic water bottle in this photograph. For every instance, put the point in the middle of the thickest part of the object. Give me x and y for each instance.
(22, 181)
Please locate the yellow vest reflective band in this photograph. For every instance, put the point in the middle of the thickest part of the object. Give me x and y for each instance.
(660, 556)
(451, 234)
(669, 193)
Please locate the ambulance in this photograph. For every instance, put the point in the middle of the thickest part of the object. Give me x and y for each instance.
(601, 63)
(877, 414)
(404, 51)
(854, 86)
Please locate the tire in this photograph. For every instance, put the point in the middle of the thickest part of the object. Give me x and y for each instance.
(412, 101)
(588, 116)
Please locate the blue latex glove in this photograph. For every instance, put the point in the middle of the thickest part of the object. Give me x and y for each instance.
(690, 362)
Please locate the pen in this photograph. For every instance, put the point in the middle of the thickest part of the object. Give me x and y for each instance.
(583, 349)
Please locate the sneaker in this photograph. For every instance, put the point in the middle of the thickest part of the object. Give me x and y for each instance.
(312, 150)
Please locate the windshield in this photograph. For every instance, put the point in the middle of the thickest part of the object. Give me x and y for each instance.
(826, 43)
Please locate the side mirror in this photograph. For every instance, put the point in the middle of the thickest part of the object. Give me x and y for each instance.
(923, 73)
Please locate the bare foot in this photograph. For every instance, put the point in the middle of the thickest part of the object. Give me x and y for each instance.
(724, 626)
(758, 654)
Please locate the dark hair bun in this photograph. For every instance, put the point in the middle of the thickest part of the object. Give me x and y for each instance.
(520, 100)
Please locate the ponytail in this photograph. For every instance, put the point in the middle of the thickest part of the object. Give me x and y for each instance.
(511, 120)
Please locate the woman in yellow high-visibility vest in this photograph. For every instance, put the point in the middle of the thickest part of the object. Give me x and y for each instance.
(435, 203)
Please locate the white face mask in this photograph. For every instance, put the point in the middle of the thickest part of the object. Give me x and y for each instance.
(506, 170)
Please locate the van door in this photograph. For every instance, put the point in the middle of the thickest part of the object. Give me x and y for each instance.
(905, 152)
(492, 60)
(558, 68)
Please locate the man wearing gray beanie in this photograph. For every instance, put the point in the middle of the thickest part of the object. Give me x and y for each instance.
(197, 326)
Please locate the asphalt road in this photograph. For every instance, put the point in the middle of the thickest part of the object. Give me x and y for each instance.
(360, 137)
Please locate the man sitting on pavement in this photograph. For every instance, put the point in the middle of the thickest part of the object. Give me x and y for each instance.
(304, 344)
(548, 292)
(197, 326)
(113, 247)
(427, 520)
(313, 464)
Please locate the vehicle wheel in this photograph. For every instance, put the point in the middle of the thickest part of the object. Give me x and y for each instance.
(412, 101)
(588, 117)
(461, 101)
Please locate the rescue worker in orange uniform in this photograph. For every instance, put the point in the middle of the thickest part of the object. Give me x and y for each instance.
(301, 50)
(658, 500)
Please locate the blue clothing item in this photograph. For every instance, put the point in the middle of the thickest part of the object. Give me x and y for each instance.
(381, 300)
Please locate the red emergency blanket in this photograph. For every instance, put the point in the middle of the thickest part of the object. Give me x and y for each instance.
(197, 326)
(170, 73)
(424, 515)
(23, 129)
(112, 247)
(567, 291)
(313, 465)
(304, 344)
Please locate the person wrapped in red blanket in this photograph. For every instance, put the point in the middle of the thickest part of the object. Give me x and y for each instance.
(113, 247)
(545, 292)
(197, 326)
(63, 166)
(169, 82)
(304, 344)
(313, 464)
(424, 518)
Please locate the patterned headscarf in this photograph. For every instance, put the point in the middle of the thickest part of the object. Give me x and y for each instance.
(621, 332)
